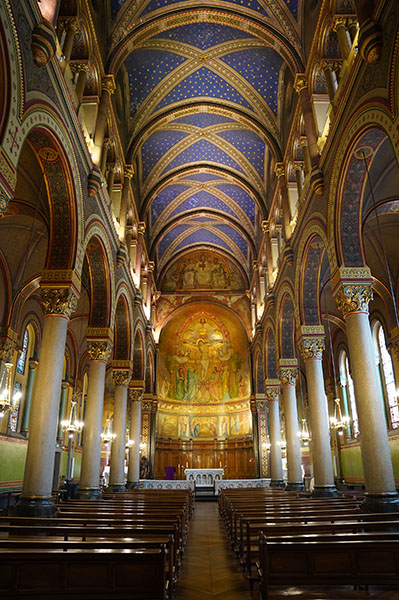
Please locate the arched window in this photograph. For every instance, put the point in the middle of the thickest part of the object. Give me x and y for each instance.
(348, 392)
(385, 370)
(22, 358)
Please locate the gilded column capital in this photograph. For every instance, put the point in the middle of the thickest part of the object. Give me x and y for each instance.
(288, 371)
(353, 298)
(279, 169)
(312, 341)
(261, 406)
(338, 22)
(60, 301)
(352, 288)
(79, 67)
(128, 171)
(99, 350)
(300, 82)
(141, 227)
(312, 347)
(5, 350)
(136, 394)
(265, 226)
(273, 394)
(121, 377)
(108, 84)
(288, 376)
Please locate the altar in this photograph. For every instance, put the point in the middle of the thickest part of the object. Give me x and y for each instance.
(204, 477)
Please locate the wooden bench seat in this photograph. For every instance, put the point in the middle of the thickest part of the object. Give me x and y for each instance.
(352, 561)
(81, 574)
(249, 548)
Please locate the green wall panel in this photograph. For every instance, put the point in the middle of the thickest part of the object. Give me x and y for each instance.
(12, 462)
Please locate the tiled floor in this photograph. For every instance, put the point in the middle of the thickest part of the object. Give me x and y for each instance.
(211, 570)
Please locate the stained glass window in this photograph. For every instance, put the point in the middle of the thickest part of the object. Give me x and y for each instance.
(22, 359)
(385, 367)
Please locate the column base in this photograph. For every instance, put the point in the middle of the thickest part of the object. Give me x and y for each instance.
(294, 487)
(329, 491)
(381, 503)
(89, 494)
(133, 485)
(277, 483)
(116, 488)
(35, 507)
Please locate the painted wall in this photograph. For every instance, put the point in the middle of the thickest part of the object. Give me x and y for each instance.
(12, 462)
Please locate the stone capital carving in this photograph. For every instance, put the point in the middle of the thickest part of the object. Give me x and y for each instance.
(352, 298)
(141, 227)
(272, 394)
(261, 406)
(99, 350)
(279, 169)
(128, 171)
(108, 84)
(60, 301)
(121, 377)
(300, 83)
(288, 375)
(339, 21)
(312, 347)
(79, 67)
(265, 226)
(5, 350)
(136, 394)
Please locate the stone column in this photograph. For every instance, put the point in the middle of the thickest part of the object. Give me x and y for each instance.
(133, 474)
(316, 176)
(393, 348)
(255, 435)
(352, 288)
(268, 246)
(128, 173)
(299, 178)
(312, 346)
(28, 396)
(329, 70)
(61, 412)
(36, 499)
(121, 378)
(370, 34)
(288, 374)
(344, 40)
(276, 465)
(108, 89)
(72, 28)
(82, 69)
(112, 169)
(99, 350)
(279, 170)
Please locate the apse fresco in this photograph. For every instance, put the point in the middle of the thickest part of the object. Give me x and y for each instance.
(202, 271)
(203, 383)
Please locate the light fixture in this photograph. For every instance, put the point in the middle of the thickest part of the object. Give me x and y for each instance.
(304, 434)
(338, 421)
(8, 399)
(72, 425)
(107, 434)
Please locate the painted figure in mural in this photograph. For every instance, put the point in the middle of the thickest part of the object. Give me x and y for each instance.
(188, 274)
(144, 467)
(192, 385)
(218, 276)
(180, 383)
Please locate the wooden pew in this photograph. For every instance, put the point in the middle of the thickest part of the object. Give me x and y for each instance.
(249, 548)
(352, 561)
(113, 574)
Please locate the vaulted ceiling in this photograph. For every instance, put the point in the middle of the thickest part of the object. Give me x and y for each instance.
(206, 91)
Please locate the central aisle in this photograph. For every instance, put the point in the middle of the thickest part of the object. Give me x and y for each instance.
(210, 569)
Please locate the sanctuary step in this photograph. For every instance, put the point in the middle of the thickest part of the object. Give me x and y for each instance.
(205, 492)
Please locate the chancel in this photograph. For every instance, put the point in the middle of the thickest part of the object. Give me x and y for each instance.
(199, 275)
